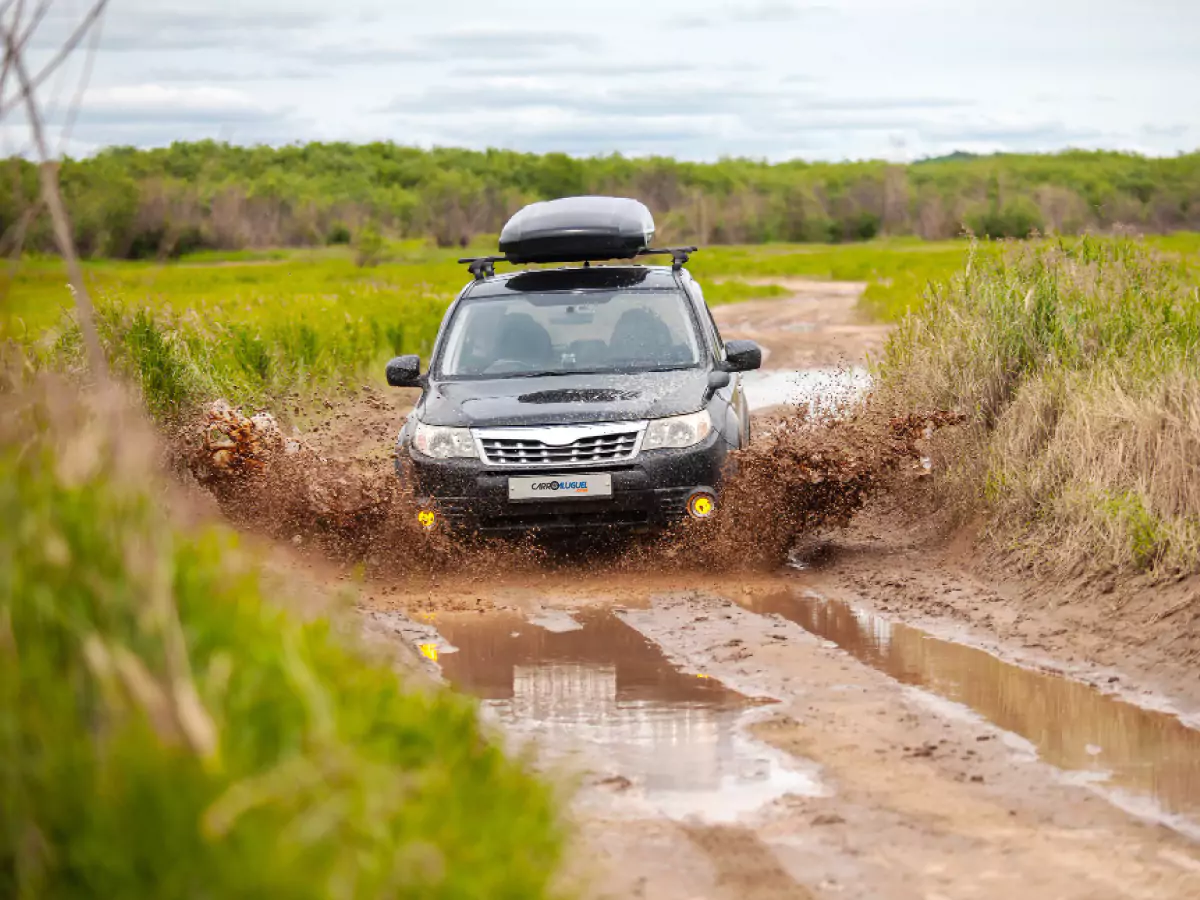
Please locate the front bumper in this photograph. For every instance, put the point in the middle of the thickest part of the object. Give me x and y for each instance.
(650, 491)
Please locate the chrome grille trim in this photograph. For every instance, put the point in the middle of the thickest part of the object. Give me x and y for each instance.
(522, 446)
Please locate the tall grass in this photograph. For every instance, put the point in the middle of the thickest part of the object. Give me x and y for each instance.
(166, 733)
(1078, 364)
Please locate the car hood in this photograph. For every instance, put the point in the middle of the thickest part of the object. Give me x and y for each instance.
(564, 399)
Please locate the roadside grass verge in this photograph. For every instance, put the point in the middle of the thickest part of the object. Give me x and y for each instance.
(167, 733)
(1078, 365)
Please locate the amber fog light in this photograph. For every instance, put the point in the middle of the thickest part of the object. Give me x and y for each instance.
(701, 505)
(427, 518)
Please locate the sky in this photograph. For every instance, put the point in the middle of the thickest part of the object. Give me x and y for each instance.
(697, 79)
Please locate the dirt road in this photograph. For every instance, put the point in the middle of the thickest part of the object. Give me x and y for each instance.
(792, 735)
(757, 738)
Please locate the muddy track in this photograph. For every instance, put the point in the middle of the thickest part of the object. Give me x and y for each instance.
(792, 734)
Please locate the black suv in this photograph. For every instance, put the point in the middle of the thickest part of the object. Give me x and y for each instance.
(574, 398)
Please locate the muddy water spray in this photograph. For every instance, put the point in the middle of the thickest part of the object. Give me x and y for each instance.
(812, 471)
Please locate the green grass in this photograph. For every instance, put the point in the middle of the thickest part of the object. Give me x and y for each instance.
(250, 332)
(896, 270)
(166, 733)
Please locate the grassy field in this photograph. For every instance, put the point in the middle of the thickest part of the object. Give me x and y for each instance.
(256, 326)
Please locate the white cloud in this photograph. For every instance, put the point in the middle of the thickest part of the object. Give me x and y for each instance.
(771, 78)
(156, 101)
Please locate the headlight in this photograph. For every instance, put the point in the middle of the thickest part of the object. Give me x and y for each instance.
(677, 431)
(441, 442)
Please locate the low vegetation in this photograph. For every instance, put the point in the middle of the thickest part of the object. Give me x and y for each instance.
(1078, 364)
(278, 327)
(165, 202)
(167, 733)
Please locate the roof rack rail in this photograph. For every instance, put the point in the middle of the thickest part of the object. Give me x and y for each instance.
(482, 266)
(679, 255)
(485, 266)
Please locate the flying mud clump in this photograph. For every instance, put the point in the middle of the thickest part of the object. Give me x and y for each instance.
(351, 511)
(811, 472)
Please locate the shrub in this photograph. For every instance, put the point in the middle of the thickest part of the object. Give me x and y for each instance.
(1018, 218)
(368, 246)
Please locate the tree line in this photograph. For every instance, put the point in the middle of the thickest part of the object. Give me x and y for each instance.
(132, 203)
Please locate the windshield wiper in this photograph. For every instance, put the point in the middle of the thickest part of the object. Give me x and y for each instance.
(554, 372)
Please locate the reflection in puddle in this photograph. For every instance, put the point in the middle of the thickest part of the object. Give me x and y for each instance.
(676, 736)
(824, 388)
(1135, 752)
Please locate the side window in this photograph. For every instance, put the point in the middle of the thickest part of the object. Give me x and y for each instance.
(711, 325)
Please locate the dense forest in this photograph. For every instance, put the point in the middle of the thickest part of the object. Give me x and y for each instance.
(134, 203)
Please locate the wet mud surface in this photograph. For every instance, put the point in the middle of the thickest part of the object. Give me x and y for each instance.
(845, 754)
(595, 690)
(817, 327)
(1145, 759)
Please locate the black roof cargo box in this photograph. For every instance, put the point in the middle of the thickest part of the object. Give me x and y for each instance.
(577, 229)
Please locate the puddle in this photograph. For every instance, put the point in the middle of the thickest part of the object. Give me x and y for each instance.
(675, 741)
(1144, 761)
(825, 388)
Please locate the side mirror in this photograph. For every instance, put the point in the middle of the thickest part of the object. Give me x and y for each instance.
(742, 356)
(404, 371)
(718, 380)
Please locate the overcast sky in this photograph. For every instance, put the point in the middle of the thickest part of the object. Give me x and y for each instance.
(779, 79)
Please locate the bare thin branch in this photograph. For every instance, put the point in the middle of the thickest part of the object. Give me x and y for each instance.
(59, 57)
(16, 26)
(58, 213)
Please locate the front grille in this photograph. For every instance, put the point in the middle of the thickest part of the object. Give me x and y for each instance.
(498, 451)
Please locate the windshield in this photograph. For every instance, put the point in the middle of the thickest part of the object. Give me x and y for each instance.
(553, 333)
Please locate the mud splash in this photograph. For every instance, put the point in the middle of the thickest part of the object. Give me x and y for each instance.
(590, 686)
(1144, 761)
(815, 469)
(348, 510)
(827, 388)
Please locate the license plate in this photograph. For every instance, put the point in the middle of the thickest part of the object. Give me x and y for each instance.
(559, 487)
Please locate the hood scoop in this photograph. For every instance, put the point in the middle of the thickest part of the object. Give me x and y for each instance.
(579, 395)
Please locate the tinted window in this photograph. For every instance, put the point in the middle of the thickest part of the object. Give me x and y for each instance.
(593, 331)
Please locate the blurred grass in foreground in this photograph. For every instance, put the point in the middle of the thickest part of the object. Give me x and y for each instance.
(166, 733)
